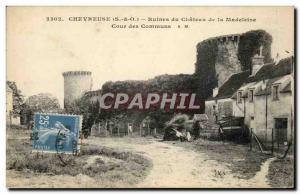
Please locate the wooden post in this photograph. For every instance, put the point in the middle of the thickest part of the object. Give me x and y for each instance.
(99, 129)
(250, 139)
(10, 118)
(127, 129)
(118, 131)
(272, 141)
(141, 130)
(148, 129)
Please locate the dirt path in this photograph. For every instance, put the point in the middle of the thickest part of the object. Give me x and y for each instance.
(173, 167)
(178, 167)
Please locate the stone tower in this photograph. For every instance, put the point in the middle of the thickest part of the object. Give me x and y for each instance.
(227, 62)
(76, 83)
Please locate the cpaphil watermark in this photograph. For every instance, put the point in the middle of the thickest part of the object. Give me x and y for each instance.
(144, 101)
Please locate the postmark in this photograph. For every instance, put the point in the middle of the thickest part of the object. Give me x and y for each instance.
(56, 133)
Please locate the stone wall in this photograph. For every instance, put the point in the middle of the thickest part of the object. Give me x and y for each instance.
(76, 83)
(219, 57)
(227, 62)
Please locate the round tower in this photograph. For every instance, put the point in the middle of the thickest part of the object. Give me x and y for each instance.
(76, 83)
(227, 62)
(217, 59)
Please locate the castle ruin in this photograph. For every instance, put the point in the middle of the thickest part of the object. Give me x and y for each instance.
(76, 83)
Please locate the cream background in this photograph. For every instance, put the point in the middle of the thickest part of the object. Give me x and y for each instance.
(39, 51)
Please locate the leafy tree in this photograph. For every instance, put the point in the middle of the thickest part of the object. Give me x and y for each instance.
(43, 102)
(18, 98)
(90, 111)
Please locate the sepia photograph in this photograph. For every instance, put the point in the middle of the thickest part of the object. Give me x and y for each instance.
(156, 97)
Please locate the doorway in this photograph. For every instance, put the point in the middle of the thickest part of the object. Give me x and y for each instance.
(281, 125)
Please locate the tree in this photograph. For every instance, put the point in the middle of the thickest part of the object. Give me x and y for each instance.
(18, 98)
(90, 112)
(43, 102)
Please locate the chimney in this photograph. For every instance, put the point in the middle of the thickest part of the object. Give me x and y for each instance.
(257, 62)
(215, 92)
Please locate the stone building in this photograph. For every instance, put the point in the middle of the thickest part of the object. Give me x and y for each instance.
(221, 105)
(263, 98)
(266, 101)
(10, 117)
(76, 83)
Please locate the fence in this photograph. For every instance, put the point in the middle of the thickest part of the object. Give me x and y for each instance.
(276, 146)
(121, 131)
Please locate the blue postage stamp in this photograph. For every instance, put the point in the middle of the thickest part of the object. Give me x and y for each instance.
(56, 133)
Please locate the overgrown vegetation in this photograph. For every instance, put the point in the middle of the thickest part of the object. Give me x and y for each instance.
(249, 45)
(121, 117)
(281, 173)
(205, 67)
(101, 163)
(18, 97)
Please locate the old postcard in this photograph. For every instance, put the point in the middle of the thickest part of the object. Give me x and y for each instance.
(150, 97)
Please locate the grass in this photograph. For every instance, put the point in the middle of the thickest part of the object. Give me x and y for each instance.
(105, 165)
(281, 173)
(243, 163)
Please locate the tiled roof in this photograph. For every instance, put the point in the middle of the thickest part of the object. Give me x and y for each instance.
(233, 83)
(272, 70)
(287, 88)
(268, 89)
(200, 117)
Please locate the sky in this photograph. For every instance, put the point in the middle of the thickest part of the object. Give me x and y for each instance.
(39, 51)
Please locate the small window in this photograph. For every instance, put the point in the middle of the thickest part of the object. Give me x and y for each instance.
(275, 92)
(251, 95)
(239, 97)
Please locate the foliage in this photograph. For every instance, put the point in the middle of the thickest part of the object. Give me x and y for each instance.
(162, 83)
(159, 84)
(249, 45)
(205, 67)
(90, 111)
(18, 98)
(43, 102)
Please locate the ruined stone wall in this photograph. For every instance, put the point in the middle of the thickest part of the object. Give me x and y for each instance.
(217, 60)
(227, 62)
(220, 57)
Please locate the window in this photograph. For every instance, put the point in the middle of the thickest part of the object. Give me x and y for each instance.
(239, 97)
(251, 95)
(275, 92)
